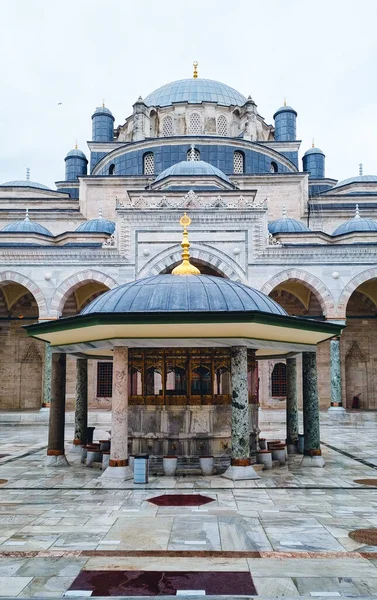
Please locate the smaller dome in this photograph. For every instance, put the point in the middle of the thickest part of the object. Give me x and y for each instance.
(26, 226)
(76, 153)
(99, 225)
(356, 224)
(286, 225)
(314, 151)
(193, 167)
(102, 110)
(357, 179)
(285, 109)
(25, 183)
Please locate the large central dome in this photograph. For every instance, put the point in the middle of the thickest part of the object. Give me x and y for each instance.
(195, 91)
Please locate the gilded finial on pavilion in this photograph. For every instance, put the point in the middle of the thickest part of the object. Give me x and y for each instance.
(76, 144)
(285, 101)
(185, 268)
(195, 65)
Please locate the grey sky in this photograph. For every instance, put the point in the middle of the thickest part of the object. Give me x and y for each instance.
(321, 55)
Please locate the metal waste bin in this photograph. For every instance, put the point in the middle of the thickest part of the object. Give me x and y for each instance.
(300, 445)
(141, 466)
(89, 435)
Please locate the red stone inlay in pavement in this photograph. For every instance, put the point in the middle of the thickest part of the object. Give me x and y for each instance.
(180, 500)
(163, 583)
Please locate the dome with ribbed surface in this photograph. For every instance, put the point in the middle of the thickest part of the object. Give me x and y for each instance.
(26, 226)
(357, 179)
(193, 167)
(99, 225)
(287, 225)
(25, 183)
(195, 91)
(356, 224)
(188, 293)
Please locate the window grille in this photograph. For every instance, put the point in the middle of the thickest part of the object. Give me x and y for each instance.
(104, 379)
(195, 127)
(193, 154)
(149, 164)
(167, 126)
(279, 380)
(238, 163)
(222, 125)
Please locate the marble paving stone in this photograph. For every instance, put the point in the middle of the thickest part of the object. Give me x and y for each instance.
(12, 586)
(276, 587)
(201, 533)
(322, 567)
(345, 586)
(172, 564)
(136, 534)
(10, 566)
(44, 567)
(242, 533)
(46, 587)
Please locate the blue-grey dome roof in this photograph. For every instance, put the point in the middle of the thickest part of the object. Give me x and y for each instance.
(26, 226)
(25, 183)
(356, 224)
(357, 179)
(99, 225)
(102, 110)
(76, 153)
(287, 225)
(188, 293)
(193, 167)
(285, 109)
(314, 151)
(195, 91)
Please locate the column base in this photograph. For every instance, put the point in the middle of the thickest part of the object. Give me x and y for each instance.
(122, 473)
(44, 408)
(237, 473)
(56, 461)
(336, 409)
(292, 449)
(312, 461)
(76, 447)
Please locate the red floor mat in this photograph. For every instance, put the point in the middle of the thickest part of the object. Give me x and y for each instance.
(161, 583)
(180, 500)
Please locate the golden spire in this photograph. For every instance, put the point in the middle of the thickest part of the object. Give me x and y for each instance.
(195, 65)
(185, 268)
(285, 101)
(103, 102)
(312, 142)
(76, 144)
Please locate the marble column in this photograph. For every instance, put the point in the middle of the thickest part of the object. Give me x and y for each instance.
(240, 467)
(47, 378)
(118, 463)
(291, 406)
(335, 377)
(81, 409)
(55, 450)
(312, 446)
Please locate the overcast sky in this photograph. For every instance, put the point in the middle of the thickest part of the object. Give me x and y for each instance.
(320, 55)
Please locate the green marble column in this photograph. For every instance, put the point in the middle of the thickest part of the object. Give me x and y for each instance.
(55, 449)
(81, 409)
(240, 407)
(47, 377)
(292, 408)
(335, 377)
(312, 446)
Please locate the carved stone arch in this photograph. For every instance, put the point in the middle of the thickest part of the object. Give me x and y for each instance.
(14, 277)
(217, 260)
(70, 284)
(352, 286)
(316, 286)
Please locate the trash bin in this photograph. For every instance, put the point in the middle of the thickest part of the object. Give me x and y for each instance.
(89, 435)
(141, 466)
(301, 441)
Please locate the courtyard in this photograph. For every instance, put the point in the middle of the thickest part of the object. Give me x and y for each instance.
(65, 532)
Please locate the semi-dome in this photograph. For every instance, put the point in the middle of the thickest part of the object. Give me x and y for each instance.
(99, 225)
(195, 91)
(314, 150)
(26, 226)
(356, 224)
(25, 183)
(189, 293)
(357, 179)
(193, 167)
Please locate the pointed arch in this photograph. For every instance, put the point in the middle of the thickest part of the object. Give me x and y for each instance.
(316, 286)
(70, 284)
(14, 277)
(352, 286)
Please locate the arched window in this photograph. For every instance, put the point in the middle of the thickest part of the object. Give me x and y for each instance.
(135, 382)
(238, 163)
(153, 382)
(279, 380)
(167, 126)
(195, 126)
(148, 163)
(176, 382)
(201, 380)
(222, 125)
(222, 381)
(193, 154)
(273, 167)
(112, 169)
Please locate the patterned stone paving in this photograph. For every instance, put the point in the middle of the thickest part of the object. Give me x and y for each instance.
(289, 529)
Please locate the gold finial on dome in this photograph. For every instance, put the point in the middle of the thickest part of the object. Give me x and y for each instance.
(285, 101)
(103, 102)
(312, 142)
(76, 144)
(195, 65)
(185, 268)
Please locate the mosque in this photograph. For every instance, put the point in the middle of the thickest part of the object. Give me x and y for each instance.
(305, 243)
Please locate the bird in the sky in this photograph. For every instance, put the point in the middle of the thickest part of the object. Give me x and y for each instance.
(60, 103)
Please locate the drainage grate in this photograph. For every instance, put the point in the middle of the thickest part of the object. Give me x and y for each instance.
(162, 583)
(180, 500)
(364, 536)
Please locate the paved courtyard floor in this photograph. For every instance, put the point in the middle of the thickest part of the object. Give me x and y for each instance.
(288, 530)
